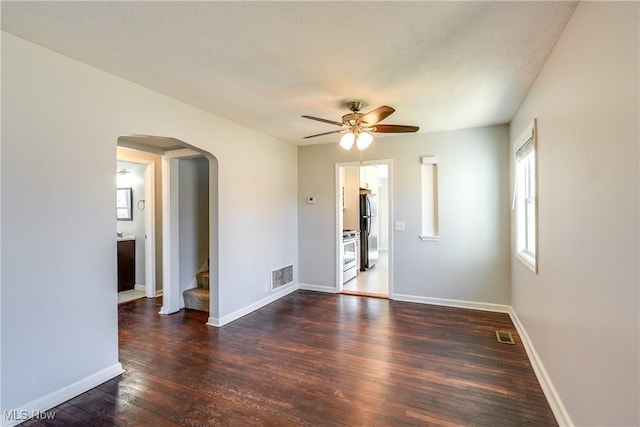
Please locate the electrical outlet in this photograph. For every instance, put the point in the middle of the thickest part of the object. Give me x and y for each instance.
(266, 287)
(400, 225)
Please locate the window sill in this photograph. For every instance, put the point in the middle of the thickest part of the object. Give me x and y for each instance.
(430, 238)
(528, 260)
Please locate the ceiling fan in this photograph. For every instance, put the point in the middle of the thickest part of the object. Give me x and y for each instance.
(357, 127)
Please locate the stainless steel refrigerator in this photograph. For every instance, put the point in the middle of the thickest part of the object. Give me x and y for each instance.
(368, 231)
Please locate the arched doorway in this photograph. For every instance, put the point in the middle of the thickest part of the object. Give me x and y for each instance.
(177, 257)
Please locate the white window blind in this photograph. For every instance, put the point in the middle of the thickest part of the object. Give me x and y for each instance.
(525, 195)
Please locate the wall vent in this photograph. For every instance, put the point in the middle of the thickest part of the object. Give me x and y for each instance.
(504, 337)
(281, 276)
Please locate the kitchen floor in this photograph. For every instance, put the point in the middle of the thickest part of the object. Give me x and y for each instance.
(373, 282)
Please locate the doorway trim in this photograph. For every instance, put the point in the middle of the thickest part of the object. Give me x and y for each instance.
(149, 221)
(171, 298)
(339, 219)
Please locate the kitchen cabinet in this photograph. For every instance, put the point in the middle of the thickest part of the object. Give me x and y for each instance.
(126, 264)
(351, 212)
(369, 178)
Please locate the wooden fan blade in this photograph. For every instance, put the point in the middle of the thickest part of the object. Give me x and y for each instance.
(394, 128)
(377, 115)
(331, 122)
(324, 133)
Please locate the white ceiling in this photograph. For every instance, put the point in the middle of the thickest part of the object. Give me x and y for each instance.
(441, 65)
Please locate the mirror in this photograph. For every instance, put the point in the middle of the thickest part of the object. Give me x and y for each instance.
(124, 199)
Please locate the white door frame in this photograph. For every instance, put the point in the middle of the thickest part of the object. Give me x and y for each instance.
(339, 219)
(150, 230)
(149, 221)
(171, 298)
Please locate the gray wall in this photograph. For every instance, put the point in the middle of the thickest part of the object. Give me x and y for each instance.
(581, 309)
(61, 121)
(471, 260)
(383, 201)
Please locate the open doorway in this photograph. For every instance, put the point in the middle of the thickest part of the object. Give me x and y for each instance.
(186, 220)
(136, 225)
(186, 231)
(364, 246)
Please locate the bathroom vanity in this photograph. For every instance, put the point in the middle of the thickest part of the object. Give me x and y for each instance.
(126, 263)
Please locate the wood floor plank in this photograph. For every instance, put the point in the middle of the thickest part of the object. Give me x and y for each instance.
(312, 359)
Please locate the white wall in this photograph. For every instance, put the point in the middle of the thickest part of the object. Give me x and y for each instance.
(581, 309)
(60, 124)
(470, 262)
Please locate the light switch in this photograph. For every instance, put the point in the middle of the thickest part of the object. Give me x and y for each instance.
(399, 226)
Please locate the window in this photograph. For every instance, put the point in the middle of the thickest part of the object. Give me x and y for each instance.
(524, 201)
(430, 230)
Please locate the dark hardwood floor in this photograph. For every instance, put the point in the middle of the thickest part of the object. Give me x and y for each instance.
(315, 359)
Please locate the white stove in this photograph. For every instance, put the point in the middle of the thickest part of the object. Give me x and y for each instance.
(350, 245)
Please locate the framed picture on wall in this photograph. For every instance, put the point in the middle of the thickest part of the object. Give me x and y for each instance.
(124, 200)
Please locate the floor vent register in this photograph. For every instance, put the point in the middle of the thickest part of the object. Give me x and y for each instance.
(504, 337)
(281, 276)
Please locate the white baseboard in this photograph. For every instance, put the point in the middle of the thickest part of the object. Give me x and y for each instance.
(276, 295)
(164, 310)
(318, 288)
(473, 305)
(142, 288)
(558, 408)
(43, 404)
(550, 392)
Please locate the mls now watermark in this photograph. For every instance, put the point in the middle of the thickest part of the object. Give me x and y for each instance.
(23, 415)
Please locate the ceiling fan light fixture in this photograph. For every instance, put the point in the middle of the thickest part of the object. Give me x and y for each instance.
(364, 140)
(347, 140)
(357, 127)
